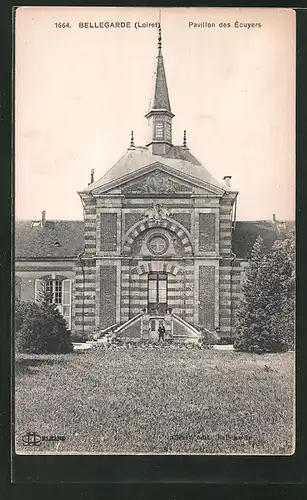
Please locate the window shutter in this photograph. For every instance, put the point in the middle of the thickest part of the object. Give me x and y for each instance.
(66, 301)
(38, 289)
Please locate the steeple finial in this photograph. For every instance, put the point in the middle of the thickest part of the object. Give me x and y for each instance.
(184, 138)
(92, 177)
(159, 38)
(131, 141)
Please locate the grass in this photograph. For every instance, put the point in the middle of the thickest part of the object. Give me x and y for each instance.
(157, 401)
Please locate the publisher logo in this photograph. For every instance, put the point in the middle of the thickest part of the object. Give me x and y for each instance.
(32, 439)
(35, 439)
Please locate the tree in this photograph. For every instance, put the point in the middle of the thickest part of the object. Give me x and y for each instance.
(250, 316)
(280, 277)
(266, 318)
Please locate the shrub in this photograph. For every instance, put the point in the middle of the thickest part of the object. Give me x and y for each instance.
(225, 341)
(79, 337)
(125, 343)
(40, 329)
(21, 311)
(207, 338)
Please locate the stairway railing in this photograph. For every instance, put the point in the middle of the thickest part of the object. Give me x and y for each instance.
(127, 323)
(186, 324)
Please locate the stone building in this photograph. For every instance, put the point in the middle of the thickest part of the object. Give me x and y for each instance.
(159, 241)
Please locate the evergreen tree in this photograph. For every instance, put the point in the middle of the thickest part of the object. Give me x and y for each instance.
(266, 319)
(251, 314)
(280, 282)
(45, 297)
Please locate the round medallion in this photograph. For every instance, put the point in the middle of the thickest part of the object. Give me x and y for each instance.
(158, 244)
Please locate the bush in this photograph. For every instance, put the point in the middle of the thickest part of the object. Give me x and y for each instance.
(125, 343)
(79, 337)
(225, 341)
(207, 338)
(41, 329)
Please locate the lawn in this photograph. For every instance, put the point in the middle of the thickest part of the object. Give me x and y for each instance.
(157, 401)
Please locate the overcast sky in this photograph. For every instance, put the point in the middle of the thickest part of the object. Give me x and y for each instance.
(79, 93)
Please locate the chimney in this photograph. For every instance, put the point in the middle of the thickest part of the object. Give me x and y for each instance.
(43, 221)
(274, 217)
(92, 176)
(227, 178)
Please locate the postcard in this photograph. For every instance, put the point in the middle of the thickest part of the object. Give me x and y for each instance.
(154, 266)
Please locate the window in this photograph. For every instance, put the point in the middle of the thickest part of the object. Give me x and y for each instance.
(59, 291)
(159, 130)
(157, 292)
(54, 291)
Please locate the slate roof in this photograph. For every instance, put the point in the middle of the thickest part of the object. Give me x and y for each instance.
(181, 153)
(246, 232)
(58, 239)
(177, 157)
(40, 242)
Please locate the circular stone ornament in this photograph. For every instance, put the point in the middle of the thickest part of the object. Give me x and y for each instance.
(158, 244)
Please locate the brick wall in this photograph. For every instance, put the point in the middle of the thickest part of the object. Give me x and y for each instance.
(83, 297)
(175, 293)
(107, 309)
(207, 232)
(125, 292)
(134, 288)
(130, 219)
(225, 298)
(231, 275)
(90, 226)
(207, 296)
(108, 232)
(225, 229)
(183, 218)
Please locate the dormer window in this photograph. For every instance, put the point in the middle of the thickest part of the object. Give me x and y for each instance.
(36, 223)
(159, 132)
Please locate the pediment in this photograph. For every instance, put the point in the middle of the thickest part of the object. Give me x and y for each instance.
(159, 179)
(156, 182)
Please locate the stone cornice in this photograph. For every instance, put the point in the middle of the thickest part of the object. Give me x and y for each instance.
(166, 169)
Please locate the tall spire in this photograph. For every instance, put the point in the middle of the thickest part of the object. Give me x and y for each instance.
(160, 114)
(160, 97)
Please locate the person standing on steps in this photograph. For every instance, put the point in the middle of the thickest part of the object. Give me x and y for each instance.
(161, 331)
